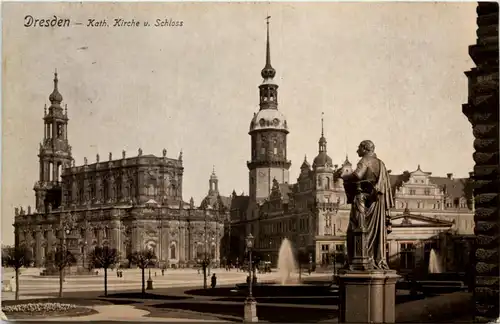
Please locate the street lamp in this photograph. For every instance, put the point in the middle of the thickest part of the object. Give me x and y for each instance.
(250, 308)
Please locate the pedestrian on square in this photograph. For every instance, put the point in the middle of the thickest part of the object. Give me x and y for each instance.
(214, 280)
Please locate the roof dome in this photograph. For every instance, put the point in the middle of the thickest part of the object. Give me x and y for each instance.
(322, 160)
(269, 119)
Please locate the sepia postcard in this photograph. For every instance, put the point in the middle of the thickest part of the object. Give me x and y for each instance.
(194, 161)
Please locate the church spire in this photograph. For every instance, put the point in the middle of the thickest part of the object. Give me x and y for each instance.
(268, 88)
(55, 97)
(322, 139)
(268, 72)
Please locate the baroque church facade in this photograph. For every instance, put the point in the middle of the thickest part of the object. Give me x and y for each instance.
(129, 203)
(430, 212)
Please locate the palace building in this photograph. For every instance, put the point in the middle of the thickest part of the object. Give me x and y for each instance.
(129, 203)
(430, 212)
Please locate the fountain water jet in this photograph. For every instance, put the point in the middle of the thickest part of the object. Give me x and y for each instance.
(434, 263)
(286, 262)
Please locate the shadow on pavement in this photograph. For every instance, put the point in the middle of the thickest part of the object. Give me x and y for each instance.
(138, 295)
(267, 313)
(323, 301)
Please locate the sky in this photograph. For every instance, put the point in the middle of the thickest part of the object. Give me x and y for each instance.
(389, 72)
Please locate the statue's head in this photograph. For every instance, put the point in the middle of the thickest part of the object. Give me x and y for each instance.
(366, 147)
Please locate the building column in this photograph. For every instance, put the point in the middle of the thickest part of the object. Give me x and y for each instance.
(111, 191)
(115, 235)
(124, 188)
(98, 188)
(73, 190)
(140, 187)
(182, 243)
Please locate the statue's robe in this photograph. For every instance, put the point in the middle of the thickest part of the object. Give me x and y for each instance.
(370, 208)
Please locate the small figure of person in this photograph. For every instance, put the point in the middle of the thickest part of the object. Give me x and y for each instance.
(162, 272)
(214, 280)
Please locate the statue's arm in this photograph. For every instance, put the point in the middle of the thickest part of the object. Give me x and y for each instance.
(357, 174)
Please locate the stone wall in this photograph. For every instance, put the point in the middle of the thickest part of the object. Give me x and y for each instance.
(482, 111)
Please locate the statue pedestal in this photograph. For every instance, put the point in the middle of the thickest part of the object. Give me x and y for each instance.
(250, 311)
(367, 296)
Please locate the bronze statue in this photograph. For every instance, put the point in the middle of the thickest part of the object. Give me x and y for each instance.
(368, 189)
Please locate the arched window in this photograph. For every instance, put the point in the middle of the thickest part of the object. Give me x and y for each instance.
(172, 251)
(327, 183)
(151, 190)
(105, 192)
(199, 251)
(212, 252)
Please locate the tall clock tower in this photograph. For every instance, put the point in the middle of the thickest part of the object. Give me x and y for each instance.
(268, 131)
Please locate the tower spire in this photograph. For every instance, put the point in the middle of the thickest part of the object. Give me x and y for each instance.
(268, 72)
(55, 97)
(322, 130)
(322, 139)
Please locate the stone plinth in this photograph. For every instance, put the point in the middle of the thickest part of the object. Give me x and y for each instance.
(250, 310)
(367, 296)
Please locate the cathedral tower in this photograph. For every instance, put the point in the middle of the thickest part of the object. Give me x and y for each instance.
(324, 188)
(54, 153)
(213, 184)
(268, 131)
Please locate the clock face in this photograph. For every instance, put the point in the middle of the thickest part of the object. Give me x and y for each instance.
(261, 173)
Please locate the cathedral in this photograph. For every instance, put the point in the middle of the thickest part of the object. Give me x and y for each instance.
(129, 203)
(431, 213)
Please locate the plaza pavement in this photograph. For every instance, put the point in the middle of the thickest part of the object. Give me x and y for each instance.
(119, 313)
(32, 284)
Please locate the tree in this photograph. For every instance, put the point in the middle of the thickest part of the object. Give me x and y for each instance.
(62, 258)
(144, 259)
(16, 257)
(104, 257)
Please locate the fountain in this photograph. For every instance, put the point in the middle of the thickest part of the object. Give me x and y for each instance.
(287, 283)
(286, 263)
(434, 262)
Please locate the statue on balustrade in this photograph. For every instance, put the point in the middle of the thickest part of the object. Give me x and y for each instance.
(368, 190)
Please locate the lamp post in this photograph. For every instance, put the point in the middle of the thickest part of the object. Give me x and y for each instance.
(150, 280)
(250, 308)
